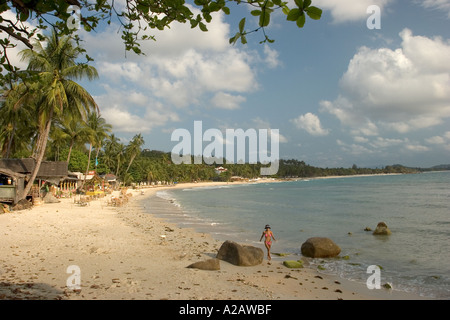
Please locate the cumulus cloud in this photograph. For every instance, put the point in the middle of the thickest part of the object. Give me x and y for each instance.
(349, 10)
(442, 141)
(224, 100)
(401, 90)
(311, 123)
(183, 68)
(128, 111)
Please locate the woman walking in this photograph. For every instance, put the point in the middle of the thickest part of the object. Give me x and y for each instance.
(268, 234)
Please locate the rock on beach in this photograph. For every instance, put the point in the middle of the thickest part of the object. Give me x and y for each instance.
(320, 247)
(240, 255)
(210, 264)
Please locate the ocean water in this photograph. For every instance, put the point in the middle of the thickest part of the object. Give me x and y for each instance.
(416, 208)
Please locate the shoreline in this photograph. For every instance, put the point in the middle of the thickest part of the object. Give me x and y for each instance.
(127, 253)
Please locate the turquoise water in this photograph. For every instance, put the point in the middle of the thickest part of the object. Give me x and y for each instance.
(416, 208)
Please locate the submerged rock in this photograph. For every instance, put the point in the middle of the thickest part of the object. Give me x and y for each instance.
(382, 229)
(320, 247)
(240, 255)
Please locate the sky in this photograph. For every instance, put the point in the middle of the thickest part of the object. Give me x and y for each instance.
(339, 93)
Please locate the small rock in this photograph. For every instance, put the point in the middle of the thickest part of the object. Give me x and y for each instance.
(210, 264)
(293, 264)
(382, 229)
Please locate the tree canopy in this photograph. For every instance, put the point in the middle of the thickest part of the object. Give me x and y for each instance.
(136, 17)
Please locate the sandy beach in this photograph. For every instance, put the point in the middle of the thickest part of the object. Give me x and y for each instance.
(124, 253)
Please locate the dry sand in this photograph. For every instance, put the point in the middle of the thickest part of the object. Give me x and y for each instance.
(125, 253)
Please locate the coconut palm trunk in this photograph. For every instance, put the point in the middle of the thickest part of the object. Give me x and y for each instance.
(55, 93)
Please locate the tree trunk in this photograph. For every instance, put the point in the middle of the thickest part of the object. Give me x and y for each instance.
(70, 151)
(42, 144)
(131, 161)
(89, 163)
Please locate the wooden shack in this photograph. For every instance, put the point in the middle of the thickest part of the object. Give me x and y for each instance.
(16, 173)
(11, 185)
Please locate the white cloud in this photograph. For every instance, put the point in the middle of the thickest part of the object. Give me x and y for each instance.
(349, 10)
(440, 141)
(227, 101)
(417, 148)
(401, 90)
(354, 149)
(443, 5)
(183, 68)
(271, 58)
(144, 116)
(259, 123)
(435, 140)
(311, 123)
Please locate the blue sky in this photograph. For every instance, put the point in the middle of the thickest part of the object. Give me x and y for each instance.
(339, 93)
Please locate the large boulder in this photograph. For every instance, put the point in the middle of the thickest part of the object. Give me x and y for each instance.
(240, 255)
(210, 264)
(320, 247)
(382, 229)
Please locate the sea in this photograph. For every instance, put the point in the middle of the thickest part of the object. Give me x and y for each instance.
(415, 258)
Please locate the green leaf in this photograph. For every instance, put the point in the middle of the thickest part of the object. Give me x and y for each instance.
(203, 27)
(226, 10)
(314, 12)
(24, 15)
(242, 25)
(294, 14)
(142, 8)
(243, 39)
(299, 3)
(255, 13)
(306, 3)
(264, 19)
(301, 21)
(235, 38)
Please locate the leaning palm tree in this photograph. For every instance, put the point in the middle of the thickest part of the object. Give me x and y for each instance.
(134, 148)
(55, 91)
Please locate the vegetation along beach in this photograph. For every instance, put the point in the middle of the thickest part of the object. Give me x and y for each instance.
(224, 150)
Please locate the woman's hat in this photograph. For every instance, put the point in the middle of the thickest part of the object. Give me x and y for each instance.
(267, 226)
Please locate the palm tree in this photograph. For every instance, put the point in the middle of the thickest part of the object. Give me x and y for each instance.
(75, 129)
(14, 122)
(110, 152)
(55, 92)
(97, 131)
(134, 148)
(58, 139)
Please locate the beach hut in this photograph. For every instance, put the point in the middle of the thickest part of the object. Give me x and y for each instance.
(19, 170)
(111, 181)
(11, 185)
(94, 185)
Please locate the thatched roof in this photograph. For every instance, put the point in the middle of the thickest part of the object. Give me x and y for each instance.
(48, 170)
